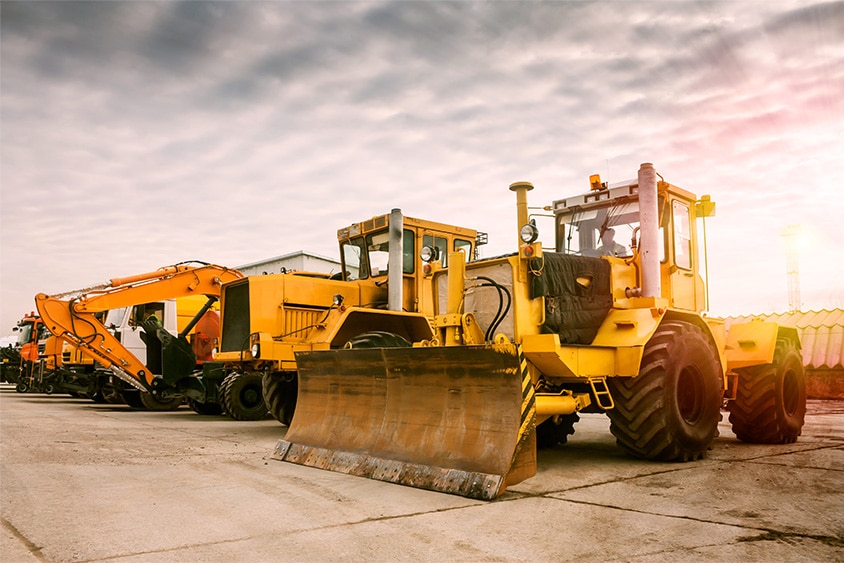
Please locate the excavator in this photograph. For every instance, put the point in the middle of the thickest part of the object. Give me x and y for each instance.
(167, 374)
(611, 321)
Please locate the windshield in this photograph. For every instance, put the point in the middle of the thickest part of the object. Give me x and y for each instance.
(606, 231)
(25, 335)
(370, 256)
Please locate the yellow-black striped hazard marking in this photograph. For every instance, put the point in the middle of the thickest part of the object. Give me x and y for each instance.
(528, 419)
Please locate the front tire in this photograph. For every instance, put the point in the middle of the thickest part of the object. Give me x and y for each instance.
(243, 397)
(153, 403)
(280, 394)
(555, 431)
(204, 408)
(378, 339)
(671, 410)
(770, 403)
(132, 397)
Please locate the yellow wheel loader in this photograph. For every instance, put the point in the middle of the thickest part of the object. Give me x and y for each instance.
(267, 319)
(157, 367)
(610, 321)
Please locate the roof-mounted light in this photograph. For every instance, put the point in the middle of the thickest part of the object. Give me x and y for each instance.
(595, 182)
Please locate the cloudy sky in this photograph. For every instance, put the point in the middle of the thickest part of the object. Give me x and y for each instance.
(141, 134)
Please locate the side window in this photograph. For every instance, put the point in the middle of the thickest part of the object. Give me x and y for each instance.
(682, 235)
(408, 253)
(352, 254)
(465, 246)
(142, 312)
(441, 244)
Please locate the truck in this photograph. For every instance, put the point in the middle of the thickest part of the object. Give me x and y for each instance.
(524, 343)
(156, 368)
(267, 319)
(20, 362)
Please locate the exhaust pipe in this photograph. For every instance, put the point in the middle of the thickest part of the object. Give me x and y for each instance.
(522, 218)
(395, 276)
(649, 231)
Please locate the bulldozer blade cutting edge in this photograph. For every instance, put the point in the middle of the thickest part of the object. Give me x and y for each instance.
(459, 420)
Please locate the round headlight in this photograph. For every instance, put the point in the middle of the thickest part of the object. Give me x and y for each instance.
(256, 350)
(529, 233)
(428, 254)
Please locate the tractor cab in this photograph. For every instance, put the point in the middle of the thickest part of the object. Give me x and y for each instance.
(606, 221)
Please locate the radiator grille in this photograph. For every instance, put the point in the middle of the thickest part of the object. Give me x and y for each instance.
(235, 331)
(298, 322)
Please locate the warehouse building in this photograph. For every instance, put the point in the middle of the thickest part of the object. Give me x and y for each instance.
(300, 261)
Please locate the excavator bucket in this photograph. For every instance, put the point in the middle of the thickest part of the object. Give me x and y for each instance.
(459, 420)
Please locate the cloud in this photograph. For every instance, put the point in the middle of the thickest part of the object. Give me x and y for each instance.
(136, 134)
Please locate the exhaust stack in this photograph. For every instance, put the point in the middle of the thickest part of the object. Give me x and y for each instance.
(395, 268)
(521, 189)
(649, 229)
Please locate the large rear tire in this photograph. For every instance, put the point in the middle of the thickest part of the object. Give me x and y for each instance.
(770, 403)
(280, 394)
(671, 410)
(243, 397)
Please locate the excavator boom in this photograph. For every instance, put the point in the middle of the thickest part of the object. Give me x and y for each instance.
(74, 319)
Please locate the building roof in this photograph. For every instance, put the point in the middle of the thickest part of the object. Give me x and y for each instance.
(287, 257)
(821, 334)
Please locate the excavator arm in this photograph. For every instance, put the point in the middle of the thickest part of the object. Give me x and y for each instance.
(74, 318)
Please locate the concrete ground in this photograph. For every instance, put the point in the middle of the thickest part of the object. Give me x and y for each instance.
(81, 481)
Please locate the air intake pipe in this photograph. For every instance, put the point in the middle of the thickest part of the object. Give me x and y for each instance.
(522, 216)
(649, 231)
(395, 267)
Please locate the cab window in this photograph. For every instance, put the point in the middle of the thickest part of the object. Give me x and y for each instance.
(465, 246)
(144, 311)
(441, 244)
(378, 251)
(408, 253)
(682, 235)
(352, 253)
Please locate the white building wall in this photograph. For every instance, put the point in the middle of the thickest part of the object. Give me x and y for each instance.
(296, 261)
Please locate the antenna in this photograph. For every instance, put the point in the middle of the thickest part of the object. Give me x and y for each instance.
(792, 270)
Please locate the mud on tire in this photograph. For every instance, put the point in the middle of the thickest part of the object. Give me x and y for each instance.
(671, 410)
(770, 403)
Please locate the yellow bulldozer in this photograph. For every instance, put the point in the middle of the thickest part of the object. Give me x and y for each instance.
(610, 321)
(382, 285)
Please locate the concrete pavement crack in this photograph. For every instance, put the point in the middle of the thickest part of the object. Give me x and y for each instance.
(31, 547)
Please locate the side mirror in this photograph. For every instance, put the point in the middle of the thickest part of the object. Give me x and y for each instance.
(705, 207)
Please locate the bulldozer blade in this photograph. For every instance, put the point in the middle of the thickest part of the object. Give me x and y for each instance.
(459, 420)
